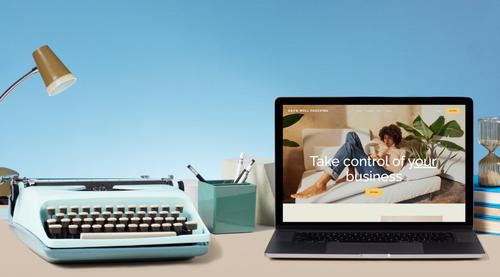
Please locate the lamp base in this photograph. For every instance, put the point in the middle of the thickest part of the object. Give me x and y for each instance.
(5, 180)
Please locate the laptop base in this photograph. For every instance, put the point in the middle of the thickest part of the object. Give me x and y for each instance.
(466, 246)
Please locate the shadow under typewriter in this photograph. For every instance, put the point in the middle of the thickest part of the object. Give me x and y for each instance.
(142, 220)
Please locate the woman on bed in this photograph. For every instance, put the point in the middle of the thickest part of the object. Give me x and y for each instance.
(353, 150)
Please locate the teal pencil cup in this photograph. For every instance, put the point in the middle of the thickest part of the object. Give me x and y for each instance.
(226, 207)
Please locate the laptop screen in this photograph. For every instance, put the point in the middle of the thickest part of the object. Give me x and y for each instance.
(374, 163)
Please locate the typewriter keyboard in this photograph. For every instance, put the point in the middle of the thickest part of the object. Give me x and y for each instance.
(116, 221)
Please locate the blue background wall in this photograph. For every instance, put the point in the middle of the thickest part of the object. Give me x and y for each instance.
(167, 83)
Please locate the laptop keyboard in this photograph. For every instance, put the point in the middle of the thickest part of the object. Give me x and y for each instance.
(322, 237)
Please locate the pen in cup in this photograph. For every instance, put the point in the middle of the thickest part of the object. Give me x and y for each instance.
(198, 176)
(244, 174)
(240, 165)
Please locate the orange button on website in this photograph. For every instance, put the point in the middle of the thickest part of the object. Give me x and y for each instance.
(452, 110)
(374, 192)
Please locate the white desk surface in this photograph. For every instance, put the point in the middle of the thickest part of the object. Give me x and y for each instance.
(242, 255)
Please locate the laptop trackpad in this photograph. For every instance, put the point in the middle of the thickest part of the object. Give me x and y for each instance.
(374, 248)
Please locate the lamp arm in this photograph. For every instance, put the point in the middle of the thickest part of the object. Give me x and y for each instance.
(14, 85)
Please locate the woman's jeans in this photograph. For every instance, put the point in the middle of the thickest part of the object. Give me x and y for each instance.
(353, 150)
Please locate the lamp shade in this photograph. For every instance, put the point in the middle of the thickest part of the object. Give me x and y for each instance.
(55, 75)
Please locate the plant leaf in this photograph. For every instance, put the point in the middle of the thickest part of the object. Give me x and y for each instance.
(413, 137)
(437, 125)
(290, 143)
(423, 151)
(452, 129)
(440, 153)
(289, 120)
(451, 146)
(454, 162)
(420, 125)
(409, 129)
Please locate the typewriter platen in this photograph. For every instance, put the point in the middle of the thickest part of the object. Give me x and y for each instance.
(78, 220)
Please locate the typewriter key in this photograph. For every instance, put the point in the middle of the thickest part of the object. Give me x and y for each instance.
(95, 215)
(175, 214)
(109, 227)
(144, 227)
(73, 230)
(63, 209)
(55, 230)
(86, 228)
(106, 214)
(177, 227)
(166, 226)
(191, 225)
(129, 214)
(118, 214)
(146, 220)
(65, 222)
(83, 215)
(141, 214)
(163, 214)
(123, 220)
(153, 214)
(96, 228)
(51, 211)
(120, 208)
(155, 227)
(132, 227)
(120, 227)
(59, 216)
(135, 220)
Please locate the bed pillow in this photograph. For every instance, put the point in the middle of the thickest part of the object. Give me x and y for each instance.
(416, 173)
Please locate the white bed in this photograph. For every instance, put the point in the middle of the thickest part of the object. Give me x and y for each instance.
(354, 192)
(325, 142)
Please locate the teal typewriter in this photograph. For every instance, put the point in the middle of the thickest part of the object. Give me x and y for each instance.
(89, 220)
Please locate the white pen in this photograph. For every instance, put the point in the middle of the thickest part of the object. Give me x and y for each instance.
(244, 174)
(240, 165)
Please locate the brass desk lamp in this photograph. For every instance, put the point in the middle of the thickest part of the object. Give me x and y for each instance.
(56, 77)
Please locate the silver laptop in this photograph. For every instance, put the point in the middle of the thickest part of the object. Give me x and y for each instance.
(374, 177)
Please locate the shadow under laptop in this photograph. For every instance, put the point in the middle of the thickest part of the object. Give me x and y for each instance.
(400, 260)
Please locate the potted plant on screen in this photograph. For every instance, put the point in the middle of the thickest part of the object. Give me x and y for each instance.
(430, 145)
